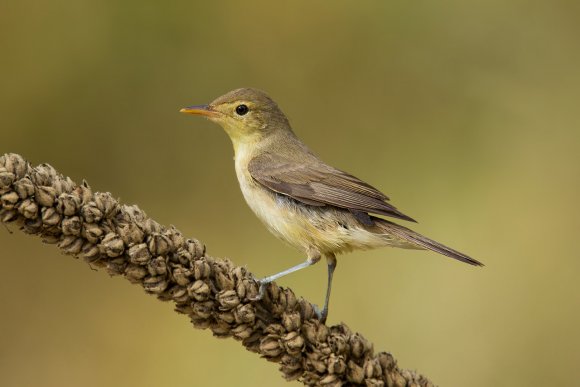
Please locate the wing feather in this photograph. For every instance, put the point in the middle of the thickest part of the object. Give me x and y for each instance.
(318, 184)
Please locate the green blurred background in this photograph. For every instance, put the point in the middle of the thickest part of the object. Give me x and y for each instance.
(466, 111)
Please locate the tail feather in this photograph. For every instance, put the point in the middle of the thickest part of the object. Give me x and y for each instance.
(424, 242)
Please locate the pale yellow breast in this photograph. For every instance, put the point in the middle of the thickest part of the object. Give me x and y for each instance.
(273, 210)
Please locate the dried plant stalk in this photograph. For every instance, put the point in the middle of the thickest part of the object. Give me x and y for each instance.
(213, 292)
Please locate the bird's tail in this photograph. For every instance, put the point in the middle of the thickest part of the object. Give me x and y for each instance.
(421, 241)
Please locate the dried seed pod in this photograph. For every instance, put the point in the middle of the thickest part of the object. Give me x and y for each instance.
(68, 185)
(68, 204)
(42, 175)
(372, 368)
(223, 281)
(291, 366)
(15, 164)
(220, 328)
(7, 215)
(293, 343)
(336, 364)
(134, 213)
(116, 266)
(227, 317)
(176, 237)
(307, 310)
(92, 232)
(338, 343)
(310, 378)
(24, 188)
(325, 349)
(201, 270)
(203, 309)
(274, 292)
(359, 345)
(314, 331)
(252, 288)
(242, 331)
(245, 313)
(61, 185)
(45, 195)
(195, 247)
(90, 251)
(242, 286)
(71, 244)
(291, 300)
(252, 343)
(50, 217)
(239, 273)
(71, 226)
(184, 255)
(275, 329)
(228, 299)
(9, 200)
(158, 244)
(107, 204)
(199, 322)
(386, 360)
(178, 294)
(28, 208)
(91, 213)
(155, 285)
(199, 290)
(400, 379)
(150, 226)
(354, 372)
(340, 330)
(50, 239)
(130, 233)
(85, 192)
(330, 380)
(139, 254)
(270, 346)
(181, 275)
(157, 266)
(184, 309)
(32, 226)
(291, 321)
(6, 180)
(135, 273)
(317, 360)
(373, 382)
(112, 245)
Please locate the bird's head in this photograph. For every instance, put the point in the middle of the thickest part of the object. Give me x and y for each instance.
(245, 114)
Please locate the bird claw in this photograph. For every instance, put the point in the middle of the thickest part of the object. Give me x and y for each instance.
(321, 315)
(261, 291)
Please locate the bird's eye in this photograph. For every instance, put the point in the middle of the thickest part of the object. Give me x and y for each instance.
(241, 110)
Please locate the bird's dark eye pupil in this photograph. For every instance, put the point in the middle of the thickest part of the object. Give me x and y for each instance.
(242, 109)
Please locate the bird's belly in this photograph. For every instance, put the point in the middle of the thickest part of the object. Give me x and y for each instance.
(281, 217)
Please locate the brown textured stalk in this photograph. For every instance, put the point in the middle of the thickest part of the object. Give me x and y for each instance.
(213, 292)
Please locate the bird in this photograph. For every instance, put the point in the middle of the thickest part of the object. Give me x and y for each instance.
(316, 208)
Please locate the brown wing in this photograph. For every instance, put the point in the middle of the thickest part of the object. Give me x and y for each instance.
(318, 184)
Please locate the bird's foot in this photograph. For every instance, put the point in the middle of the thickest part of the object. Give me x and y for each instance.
(261, 290)
(321, 314)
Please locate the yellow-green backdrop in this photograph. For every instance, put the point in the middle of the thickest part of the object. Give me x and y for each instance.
(465, 113)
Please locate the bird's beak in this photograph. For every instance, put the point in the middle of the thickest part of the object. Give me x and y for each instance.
(201, 110)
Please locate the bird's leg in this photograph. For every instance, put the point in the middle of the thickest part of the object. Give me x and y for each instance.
(331, 260)
(313, 257)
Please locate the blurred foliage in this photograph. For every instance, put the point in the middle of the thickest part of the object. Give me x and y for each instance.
(466, 111)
